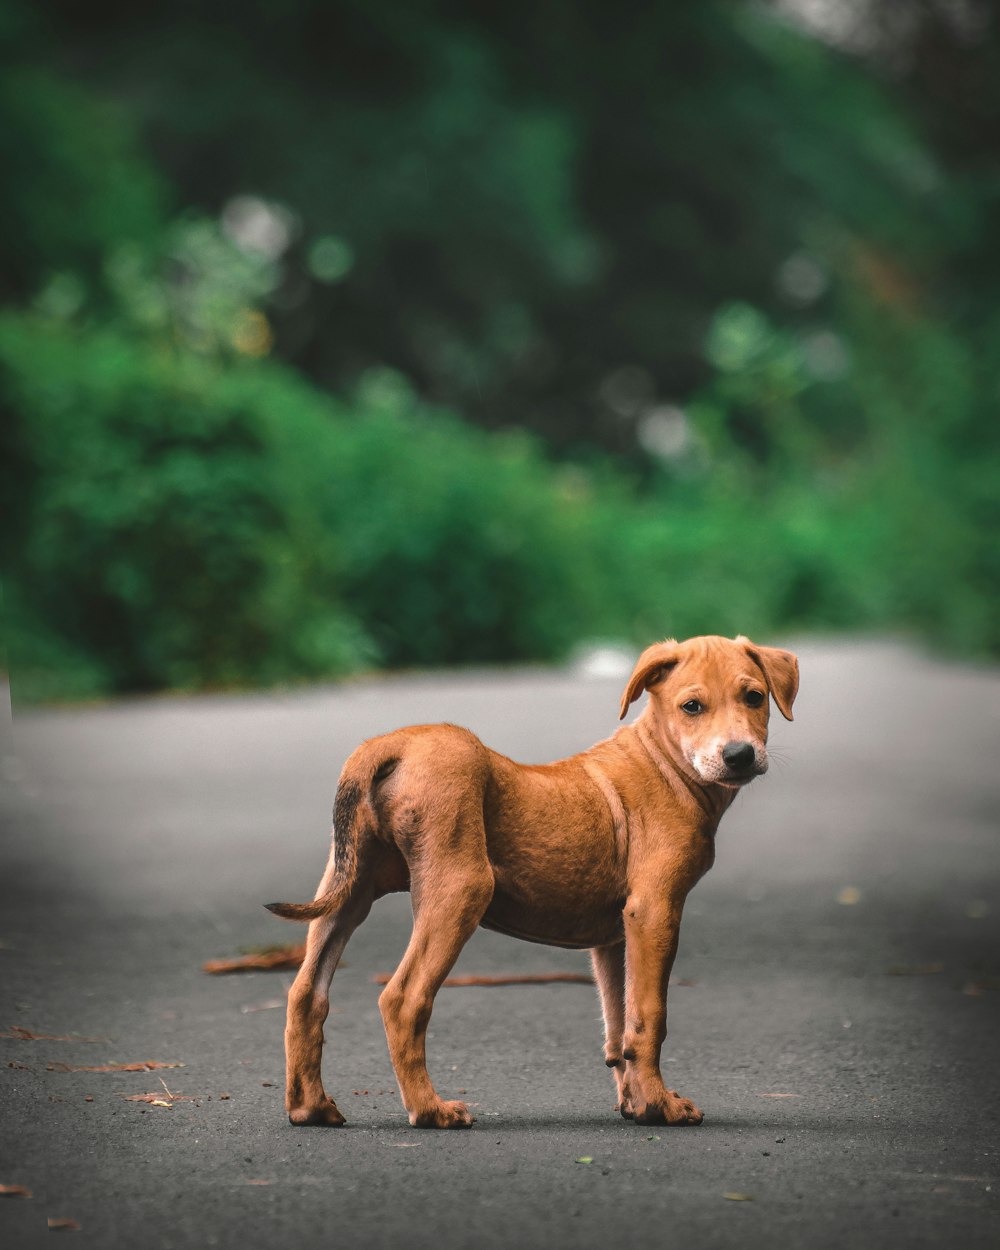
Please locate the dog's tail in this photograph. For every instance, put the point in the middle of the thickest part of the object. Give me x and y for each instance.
(354, 821)
(308, 911)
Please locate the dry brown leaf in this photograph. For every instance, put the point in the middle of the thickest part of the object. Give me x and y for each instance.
(277, 958)
(149, 1065)
(735, 1197)
(157, 1100)
(976, 988)
(63, 1223)
(12, 1063)
(25, 1035)
(15, 1191)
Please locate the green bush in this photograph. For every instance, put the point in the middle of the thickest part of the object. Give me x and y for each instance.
(176, 521)
(180, 520)
(153, 530)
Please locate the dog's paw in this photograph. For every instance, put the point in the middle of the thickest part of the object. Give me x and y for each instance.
(625, 1106)
(443, 1115)
(326, 1113)
(671, 1109)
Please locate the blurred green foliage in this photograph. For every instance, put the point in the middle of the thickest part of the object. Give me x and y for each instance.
(719, 297)
(193, 522)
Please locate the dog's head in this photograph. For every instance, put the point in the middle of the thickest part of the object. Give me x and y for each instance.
(709, 700)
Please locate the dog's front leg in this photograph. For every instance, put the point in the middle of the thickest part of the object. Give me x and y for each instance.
(652, 925)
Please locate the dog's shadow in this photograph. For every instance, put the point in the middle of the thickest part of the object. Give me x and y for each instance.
(612, 1125)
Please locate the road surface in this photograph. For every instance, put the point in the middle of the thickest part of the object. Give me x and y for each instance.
(838, 1023)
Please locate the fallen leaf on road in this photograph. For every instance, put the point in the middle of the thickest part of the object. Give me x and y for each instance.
(734, 1197)
(256, 1182)
(25, 1035)
(584, 1159)
(15, 1191)
(916, 970)
(62, 1223)
(149, 1065)
(157, 1100)
(849, 895)
(273, 959)
(976, 988)
(12, 1063)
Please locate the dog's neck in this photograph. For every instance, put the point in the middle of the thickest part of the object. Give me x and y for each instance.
(710, 799)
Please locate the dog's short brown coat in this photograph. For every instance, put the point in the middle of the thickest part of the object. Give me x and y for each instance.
(597, 851)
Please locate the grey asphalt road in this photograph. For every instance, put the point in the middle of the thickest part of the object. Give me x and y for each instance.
(840, 1028)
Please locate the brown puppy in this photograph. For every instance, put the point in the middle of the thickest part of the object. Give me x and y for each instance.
(597, 851)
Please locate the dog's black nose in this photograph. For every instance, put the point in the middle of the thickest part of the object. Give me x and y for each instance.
(739, 756)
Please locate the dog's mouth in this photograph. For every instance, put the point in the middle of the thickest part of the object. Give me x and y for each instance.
(732, 779)
(737, 780)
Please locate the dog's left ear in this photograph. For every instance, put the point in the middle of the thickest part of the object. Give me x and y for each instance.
(652, 666)
(781, 672)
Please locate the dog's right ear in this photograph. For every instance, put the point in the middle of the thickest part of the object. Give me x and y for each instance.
(652, 666)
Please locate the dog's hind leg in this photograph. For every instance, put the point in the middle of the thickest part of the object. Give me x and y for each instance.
(448, 904)
(308, 1005)
(351, 882)
(609, 973)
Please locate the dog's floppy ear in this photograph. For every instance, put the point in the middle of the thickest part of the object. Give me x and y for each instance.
(651, 667)
(781, 672)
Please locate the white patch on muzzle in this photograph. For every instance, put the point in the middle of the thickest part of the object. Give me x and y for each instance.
(706, 760)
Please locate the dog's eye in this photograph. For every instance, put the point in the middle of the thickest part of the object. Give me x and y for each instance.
(754, 698)
(692, 707)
